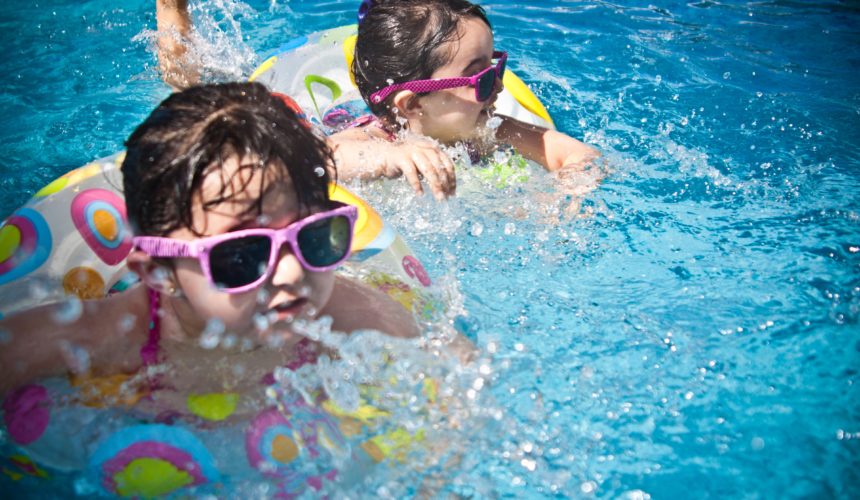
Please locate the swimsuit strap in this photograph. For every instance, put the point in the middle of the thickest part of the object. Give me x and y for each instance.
(149, 351)
(367, 119)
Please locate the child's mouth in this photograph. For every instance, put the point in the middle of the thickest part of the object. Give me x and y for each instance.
(288, 311)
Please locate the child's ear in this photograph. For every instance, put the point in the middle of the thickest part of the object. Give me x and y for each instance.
(153, 274)
(407, 103)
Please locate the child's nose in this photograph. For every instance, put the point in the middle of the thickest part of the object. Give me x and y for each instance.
(288, 270)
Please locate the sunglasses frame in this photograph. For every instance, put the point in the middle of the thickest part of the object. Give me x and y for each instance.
(201, 248)
(436, 84)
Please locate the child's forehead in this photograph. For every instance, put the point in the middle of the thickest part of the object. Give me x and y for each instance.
(242, 177)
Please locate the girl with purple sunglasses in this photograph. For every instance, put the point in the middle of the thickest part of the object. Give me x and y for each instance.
(431, 67)
(234, 231)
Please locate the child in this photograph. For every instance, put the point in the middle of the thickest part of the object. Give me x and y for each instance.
(401, 44)
(430, 67)
(235, 233)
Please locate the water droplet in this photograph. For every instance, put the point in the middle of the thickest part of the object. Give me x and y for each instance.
(319, 171)
(263, 220)
(494, 122)
(68, 311)
(229, 341)
(588, 487)
(211, 336)
(77, 358)
(529, 464)
(727, 75)
(126, 323)
(757, 443)
(160, 275)
(261, 322)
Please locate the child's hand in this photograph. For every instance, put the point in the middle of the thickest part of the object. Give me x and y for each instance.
(417, 158)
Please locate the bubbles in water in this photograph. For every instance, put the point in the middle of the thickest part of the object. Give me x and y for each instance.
(588, 487)
(477, 229)
(757, 443)
(68, 311)
(510, 228)
(637, 495)
(501, 157)
(211, 336)
(229, 341)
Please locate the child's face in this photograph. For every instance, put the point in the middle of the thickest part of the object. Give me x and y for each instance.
(290, 292)
(453, 115)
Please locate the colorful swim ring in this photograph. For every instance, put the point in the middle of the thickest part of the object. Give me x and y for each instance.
(72, 237)
(315, 70)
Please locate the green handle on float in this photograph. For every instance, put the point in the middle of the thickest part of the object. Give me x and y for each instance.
(325, 82)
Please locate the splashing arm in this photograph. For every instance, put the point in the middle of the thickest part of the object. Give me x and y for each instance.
(367, 153)
(174, 27)
(554, 150)
(70, 337)
(355, 306)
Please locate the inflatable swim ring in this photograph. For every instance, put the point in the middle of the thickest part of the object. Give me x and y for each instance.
(315, 71)
(71, 239)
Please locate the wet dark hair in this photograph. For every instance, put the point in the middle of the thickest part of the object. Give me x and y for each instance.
(399, 41)
(191, 133)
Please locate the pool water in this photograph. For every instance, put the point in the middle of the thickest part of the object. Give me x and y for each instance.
(692, 330)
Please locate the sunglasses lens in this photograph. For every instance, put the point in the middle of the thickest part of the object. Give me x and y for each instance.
(239, 262)
(325, 242)
(486, 84)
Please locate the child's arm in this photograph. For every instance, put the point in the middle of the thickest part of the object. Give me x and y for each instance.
(552, 149)
(174, 25)
(366, 153)
(44, 341)
(354, 306)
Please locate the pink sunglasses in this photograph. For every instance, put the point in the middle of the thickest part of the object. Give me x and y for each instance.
(484, 82)
(239, 261)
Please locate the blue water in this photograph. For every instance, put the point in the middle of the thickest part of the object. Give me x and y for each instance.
(693, 332)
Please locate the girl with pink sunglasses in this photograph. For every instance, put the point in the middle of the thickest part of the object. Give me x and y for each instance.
(431, 67)
(234, 231)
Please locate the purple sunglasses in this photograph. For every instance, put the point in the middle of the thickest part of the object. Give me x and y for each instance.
(239, 261)
(483, 81)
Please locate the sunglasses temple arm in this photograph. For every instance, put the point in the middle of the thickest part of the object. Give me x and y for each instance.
(163, 247)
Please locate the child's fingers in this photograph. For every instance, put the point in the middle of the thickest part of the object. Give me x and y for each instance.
(447, 167)
(426, 166)
(410, 171)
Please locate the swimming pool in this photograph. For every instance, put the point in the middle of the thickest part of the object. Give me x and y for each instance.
(694, 332)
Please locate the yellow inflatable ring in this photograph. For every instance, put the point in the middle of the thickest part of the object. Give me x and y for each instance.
(72, 238)
(315, 70)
